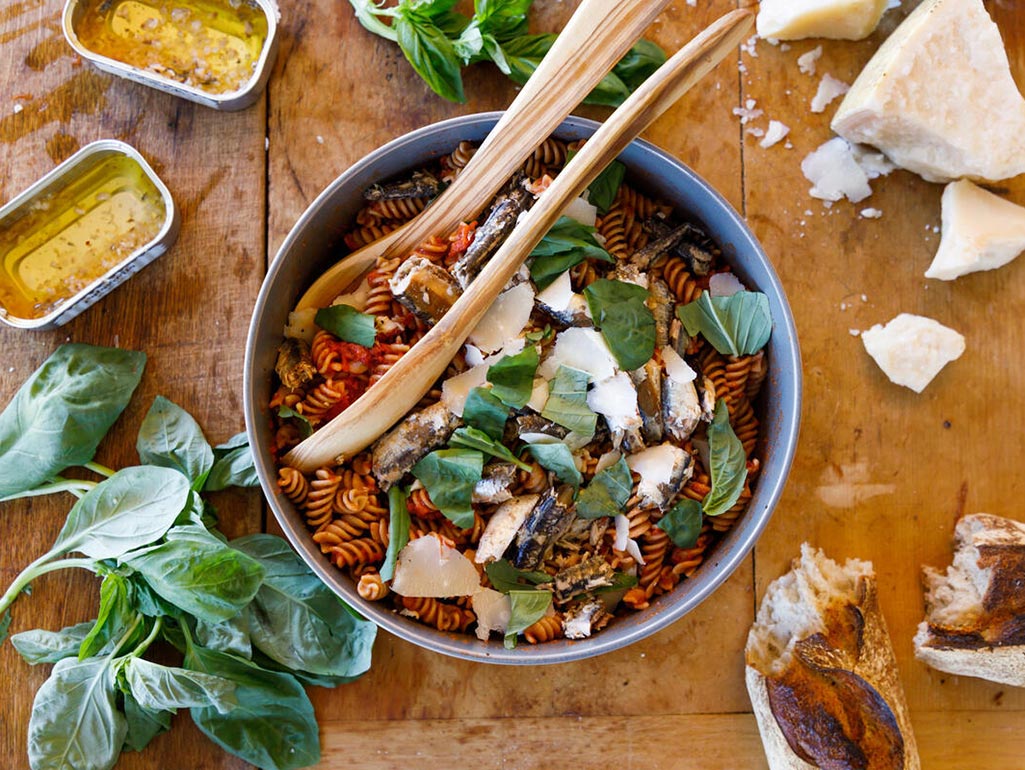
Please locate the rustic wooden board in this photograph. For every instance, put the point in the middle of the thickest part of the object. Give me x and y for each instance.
(878, 474)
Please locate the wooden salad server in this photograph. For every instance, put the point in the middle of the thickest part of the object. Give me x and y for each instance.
(411, 376)
(598, 35)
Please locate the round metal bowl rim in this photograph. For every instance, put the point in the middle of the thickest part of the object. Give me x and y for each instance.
(769, 489)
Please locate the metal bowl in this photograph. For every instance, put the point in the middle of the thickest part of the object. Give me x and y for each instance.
(311, 247)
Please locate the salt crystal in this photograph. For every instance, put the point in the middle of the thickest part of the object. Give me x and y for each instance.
(320, 139)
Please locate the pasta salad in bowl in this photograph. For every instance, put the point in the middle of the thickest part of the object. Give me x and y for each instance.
(601, 454)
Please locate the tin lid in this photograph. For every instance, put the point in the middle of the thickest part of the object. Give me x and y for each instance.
(80, 231)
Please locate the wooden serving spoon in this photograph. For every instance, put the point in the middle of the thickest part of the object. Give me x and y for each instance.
(597, 36)
(411, 376)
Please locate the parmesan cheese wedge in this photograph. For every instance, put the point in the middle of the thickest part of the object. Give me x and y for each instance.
(938, 97)
(836, 19)
(912, 349)
(981, 231)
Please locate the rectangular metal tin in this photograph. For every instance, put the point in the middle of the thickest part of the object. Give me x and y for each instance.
(235, 100)
(59, 179)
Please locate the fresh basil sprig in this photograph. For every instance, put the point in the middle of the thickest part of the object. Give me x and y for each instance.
(450, 476)
(557, 458)
(682, 523)
(527, 607)
(512, 378)
(348, 324)
(471, 438)
(621, 313)
(566, 245)
(602, 191)
(438, 43)
(253, 622)
(484, 411)
(738, 325)
(608, 492)
(567, 401)
(728, 463)
(58, 417)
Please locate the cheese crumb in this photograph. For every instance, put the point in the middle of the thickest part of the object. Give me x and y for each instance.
(911, 350)
(835, 174)
(829, 89)
(871, 213)
(776, 133)
(807, 62)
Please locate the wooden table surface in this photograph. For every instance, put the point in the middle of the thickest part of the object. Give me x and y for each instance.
(881, 473)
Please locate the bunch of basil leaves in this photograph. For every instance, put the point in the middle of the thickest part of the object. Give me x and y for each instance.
(252, 623)
(438, 42)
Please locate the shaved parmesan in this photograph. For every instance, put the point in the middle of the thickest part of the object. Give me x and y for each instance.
(663, 469)
(724, 285)
(622, 532)
(616, 399)
(580, 348)
(301, 325)
(493, 610)
(911, 350)
(981, 231)
(505, 319)
(539, 395)
(677, 369)
(607, 460)
(455, 390)
(829, 89)
(583, 212)
(429, 567)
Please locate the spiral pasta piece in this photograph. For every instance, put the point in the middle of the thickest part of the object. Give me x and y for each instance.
(544, 630)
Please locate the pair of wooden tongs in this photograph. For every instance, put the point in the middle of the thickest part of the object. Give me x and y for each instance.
(411, 377)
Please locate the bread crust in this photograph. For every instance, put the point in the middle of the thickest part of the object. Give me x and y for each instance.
(837, 673)
(975, 613)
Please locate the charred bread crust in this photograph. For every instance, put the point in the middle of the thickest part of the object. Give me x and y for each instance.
(833, 698)
(975, 613)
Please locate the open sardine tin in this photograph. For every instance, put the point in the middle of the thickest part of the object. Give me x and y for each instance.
(83, 229)
(218, 53)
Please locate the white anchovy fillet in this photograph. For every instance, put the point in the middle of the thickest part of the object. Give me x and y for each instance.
(685, 404)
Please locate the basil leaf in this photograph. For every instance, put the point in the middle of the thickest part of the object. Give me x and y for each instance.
(557, 458)
(728, 463)
(611, 91)
(171, 438)
(164, 688)
(367, 12)
(471, 438)
(736, 326)
(621, 312)
(450, 476)
(143, 724)
(273, 725)
(620, 582)
(604, 188)
(233, 466)
(132, 508)
(287, 413)
(485, 412)
(59, 415)
(115, 614)
(567, 401)
(505, 577)
(198, 573)
(231, 635)
(430, 52)
(5, 624)
(297, 620)
(607, 494)
(75, 722)
(42, 646)
(512, 378)
(398, 530)
(567, 244)
(347, 324)
(523, 54)
(682, 523)
(528, 607)
(639, 64)
(504, 19)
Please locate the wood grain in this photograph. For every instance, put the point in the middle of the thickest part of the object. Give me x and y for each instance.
(881, 473)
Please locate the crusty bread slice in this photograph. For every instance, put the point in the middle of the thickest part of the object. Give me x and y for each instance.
(975, 613)
(821, 672)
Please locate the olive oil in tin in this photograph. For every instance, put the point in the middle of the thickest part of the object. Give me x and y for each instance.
(72, 235)
(212, 45)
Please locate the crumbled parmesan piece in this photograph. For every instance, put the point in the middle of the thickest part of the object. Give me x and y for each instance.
(776, 133)
(748, 112)
(829, 89)
(871, 213)
(911, 350)
(807, 62)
